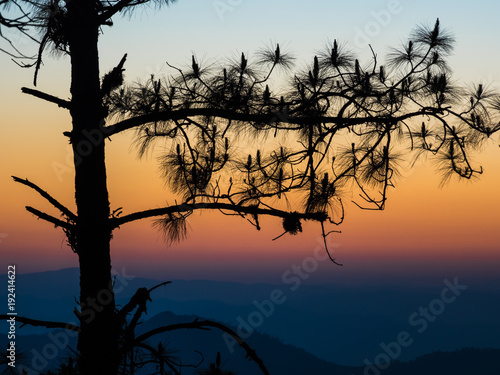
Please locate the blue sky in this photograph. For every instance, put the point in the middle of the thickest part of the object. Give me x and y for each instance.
(223, 28)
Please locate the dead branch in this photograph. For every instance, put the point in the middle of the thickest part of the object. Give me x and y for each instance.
(47, 196)
(50, 98)
(50, 219)
(41, 323)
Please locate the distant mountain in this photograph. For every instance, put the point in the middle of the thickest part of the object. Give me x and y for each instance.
(279, 358)
(466, 361)
(337, 323)
(282, 359)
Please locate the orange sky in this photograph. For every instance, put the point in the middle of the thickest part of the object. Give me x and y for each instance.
(422, 221)
(456, 224)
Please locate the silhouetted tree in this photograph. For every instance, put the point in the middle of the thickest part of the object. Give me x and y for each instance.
(342, 124)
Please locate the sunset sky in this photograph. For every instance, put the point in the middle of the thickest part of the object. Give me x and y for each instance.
(427, 232)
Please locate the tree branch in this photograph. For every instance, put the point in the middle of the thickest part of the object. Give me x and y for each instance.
(140, 298)
(41, 323)
(252, 210)
(50, 98)
(50, 219)
(117, 7)
(236, 116)
(47, 196)
(263, 118)
(203, 324)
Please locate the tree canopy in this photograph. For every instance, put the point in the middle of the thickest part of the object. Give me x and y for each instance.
(343, 126)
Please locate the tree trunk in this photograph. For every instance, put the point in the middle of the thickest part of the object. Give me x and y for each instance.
(98, 340)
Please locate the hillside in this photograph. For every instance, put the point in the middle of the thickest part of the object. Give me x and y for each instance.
(336, 323)
(279, 358)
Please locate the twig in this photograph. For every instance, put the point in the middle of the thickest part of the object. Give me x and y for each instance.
(50, 98)
(41, 323)
(326, 245)
(47, 196)
(50, 219)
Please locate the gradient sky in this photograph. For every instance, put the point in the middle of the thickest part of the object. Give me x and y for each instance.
(425, 230)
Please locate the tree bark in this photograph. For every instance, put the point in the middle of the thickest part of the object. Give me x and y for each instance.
(99, 338)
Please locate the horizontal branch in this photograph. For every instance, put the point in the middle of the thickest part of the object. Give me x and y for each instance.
(264, 118)
(41, 323)
(251, 210)
(50, 98)
(49, 218)
(47, 196)
(203, 325)
(268, 118)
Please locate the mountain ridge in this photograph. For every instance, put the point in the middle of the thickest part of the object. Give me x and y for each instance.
(279, 358)
(336, 324)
